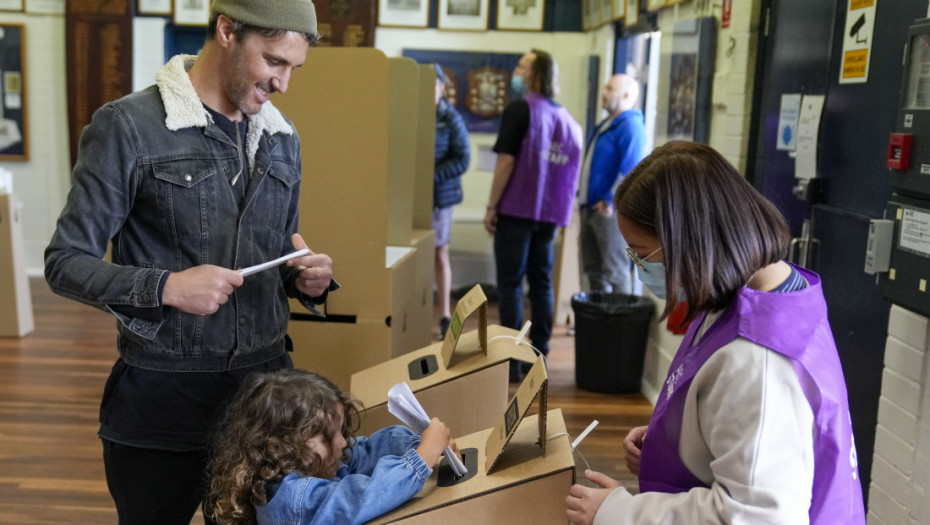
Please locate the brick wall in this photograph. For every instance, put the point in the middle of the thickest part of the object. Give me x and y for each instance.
(902, 437)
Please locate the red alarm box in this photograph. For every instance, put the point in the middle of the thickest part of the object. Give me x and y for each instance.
(899, 150)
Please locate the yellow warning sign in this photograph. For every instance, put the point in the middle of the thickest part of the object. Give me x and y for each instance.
(855, 62)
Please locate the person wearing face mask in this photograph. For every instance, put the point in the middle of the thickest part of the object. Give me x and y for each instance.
(616, 145)
(190, 180)
(535, 179)
(752, 424)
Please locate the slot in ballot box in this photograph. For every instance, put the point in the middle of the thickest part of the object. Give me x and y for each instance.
(519, 471)
(463, 380)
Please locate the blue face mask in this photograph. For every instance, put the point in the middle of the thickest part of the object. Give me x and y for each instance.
(516, 83)
(653, 277)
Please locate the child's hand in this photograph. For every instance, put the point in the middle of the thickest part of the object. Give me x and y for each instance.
(455, 448)
(435, 439)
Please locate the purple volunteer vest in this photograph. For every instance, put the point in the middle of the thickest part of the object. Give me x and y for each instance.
(794, 325)
(545, 174)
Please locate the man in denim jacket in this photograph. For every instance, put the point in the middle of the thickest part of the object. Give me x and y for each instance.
(190, 180)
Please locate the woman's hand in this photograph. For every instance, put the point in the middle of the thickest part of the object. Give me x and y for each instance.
(583, 502)
(633, 448)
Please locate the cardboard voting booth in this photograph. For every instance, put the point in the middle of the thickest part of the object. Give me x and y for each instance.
(519, 471)
(463, 380)
(16, 318)
(359, 115)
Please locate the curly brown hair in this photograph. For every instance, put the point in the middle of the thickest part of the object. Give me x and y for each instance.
(263, 437)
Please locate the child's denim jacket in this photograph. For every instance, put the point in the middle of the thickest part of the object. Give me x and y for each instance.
(384, 471)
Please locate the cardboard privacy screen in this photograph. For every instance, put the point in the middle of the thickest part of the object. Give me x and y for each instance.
(535, 384)
(473, 300)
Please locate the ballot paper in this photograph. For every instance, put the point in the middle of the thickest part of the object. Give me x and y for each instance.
(405, 407)
(270, 264)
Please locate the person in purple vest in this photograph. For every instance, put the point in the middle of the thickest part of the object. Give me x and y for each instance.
(752, 424)
(535, 179)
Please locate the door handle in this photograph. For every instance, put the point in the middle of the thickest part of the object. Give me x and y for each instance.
(801, 249)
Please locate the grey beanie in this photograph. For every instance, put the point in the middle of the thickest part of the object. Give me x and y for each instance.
(290, 15)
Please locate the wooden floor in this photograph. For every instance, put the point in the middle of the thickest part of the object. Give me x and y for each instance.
(51, 381)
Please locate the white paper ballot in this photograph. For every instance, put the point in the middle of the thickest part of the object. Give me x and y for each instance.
(405, 407)
(270, 264)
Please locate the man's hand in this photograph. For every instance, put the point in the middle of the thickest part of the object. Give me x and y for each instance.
(316, 269)
(604, 208)
(200, 290)
(633, 448)
(490, 221)
(583, 502)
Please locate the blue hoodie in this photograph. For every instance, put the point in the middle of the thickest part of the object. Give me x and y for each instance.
(618, 150)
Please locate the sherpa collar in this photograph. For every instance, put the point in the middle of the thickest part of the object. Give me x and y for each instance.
(185, 110)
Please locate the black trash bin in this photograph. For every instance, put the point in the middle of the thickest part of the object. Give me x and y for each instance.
(611, 331)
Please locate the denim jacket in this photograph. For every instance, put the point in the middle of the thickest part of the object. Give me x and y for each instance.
(151, 178)
(384, 471)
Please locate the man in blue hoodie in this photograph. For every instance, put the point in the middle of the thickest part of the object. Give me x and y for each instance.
(612, 150)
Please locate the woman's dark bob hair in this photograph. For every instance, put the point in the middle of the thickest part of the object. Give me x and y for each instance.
(715, 229)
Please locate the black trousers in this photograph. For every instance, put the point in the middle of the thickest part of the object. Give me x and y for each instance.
(155, 487)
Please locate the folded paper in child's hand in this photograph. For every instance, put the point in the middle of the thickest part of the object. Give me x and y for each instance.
(405, 407)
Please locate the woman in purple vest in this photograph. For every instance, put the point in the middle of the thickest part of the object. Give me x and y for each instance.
(752, 424)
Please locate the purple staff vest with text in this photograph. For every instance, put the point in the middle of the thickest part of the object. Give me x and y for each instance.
(545, 174)
(794, 325)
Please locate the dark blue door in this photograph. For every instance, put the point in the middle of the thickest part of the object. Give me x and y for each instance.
(801, 54)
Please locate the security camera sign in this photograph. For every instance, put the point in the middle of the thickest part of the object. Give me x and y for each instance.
(857, 41)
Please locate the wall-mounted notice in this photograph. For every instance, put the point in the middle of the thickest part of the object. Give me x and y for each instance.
(805, 164)
(857, 41)
(788, 114)
(915, 232)
(14, 126)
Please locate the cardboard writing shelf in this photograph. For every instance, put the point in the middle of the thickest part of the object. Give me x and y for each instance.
(337, 349)
(463, 380)
(519, 471)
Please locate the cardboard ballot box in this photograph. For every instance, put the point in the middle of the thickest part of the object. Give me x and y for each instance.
(463, 380)
(519, 472)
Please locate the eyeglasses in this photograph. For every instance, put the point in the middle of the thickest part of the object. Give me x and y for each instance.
(637, 260)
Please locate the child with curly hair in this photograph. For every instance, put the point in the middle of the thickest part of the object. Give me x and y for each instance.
(285, 452)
